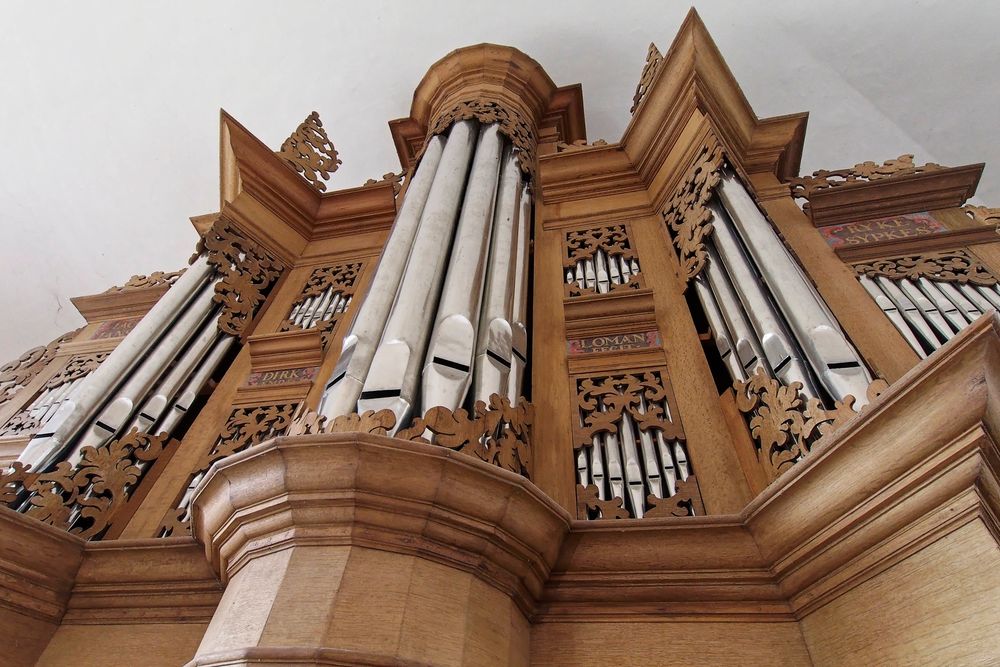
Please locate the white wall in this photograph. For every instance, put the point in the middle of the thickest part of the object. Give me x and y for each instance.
(109, 111)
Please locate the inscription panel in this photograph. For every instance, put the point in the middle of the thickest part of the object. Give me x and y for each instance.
(613, 342)
(882, 230)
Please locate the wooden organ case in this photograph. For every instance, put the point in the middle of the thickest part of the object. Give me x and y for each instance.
(532, 400)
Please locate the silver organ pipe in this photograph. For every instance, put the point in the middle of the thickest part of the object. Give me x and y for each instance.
(137, 384)
(76, 411)
(493, 347)
(344, 388)
(443, 323)
(780, 351)
(519, 331)
(448, 366)
(394, 374)
(838, 366)
(928, 312)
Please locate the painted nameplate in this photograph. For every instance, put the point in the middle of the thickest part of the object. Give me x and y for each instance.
(882, 230)
(614, 342)
(283, 376)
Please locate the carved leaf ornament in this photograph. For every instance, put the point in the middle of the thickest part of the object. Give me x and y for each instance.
(309, 152)
(687, 215)
(953, 267)
(803, 187)
(653, 60)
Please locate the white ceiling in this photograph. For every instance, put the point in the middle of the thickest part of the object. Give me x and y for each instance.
(109, 120)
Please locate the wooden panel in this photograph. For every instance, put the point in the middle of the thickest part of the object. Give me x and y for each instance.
(667, 644)
(167, 644)
(939, 606)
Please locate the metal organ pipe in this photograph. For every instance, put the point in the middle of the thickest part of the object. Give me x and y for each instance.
(448, 367)
(116, 412)
(344, 388)
(839, 367)
(395, 369)
(780, 351)
(493, 348)
(74, 413)
(519, 330)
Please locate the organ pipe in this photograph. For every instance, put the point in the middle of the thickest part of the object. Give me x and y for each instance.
(73, 416)
(344, 388)
(838, 366)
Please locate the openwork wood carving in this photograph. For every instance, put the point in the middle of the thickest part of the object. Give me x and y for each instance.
(513, 125)
(248, 271)
(309, 152)
(244, 428)
(31, 416)
(579, 145)
(686, 214)
(653, 60)
(600, 260)
(16, 374)
(155, 279)
(955, 267)
(84, 498)
(803, 187)
(395, 179)
(498, 433)
(983, 215)
(630, 453)
(325, 298)
(783, 425)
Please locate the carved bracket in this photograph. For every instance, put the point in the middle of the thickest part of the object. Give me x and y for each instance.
(686, 214)
(954, 267)
(248, 271)
(309, 152)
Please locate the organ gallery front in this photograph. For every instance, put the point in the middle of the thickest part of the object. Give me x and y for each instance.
(531, 399)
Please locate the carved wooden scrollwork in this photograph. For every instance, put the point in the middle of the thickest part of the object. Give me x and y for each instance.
(248, 271)
(516, 127)
(498, 433)
(687, 215)
(955, 267)
(783, 425)
(803, 187)
(600, 249)
(579, 145)
(630, 452)
(84, 498)
(30, 418)
(653, 60)
(324, 299)
(983, 215)
(395, 179)
(155, 279)
(309, 152)
(16, 374)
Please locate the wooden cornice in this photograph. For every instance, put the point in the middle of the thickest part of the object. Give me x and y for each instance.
(285, 349)
(496, 72)
(113, 305)
(279, 209)
(591, 172)
(693, 76)
(910, 193)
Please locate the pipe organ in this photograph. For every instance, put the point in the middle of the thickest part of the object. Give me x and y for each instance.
(533, 399)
